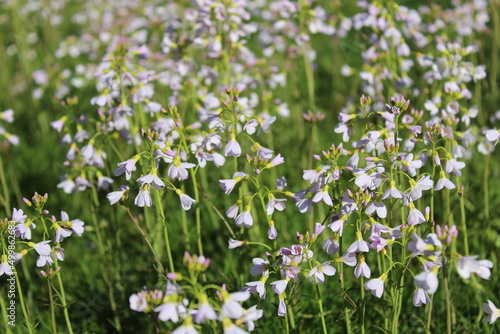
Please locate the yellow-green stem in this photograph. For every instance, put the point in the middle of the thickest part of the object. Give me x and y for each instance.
(3, 307)
(197, 212)
(159, 208)
(52, 310)
(63, 300)
(6, 196)
(23, 306)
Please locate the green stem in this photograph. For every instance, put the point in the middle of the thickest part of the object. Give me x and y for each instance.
(362, 305)
(320, 303)
(159, 208)
(185, 229)
(463, 219)
(52, 310)
(102, 253)
(3, 307)
(197, 212)
(429, 316)
(495, 48)
(63, 300)
(309, 78)
(447, 301)
(146, 239)
(6, 196)
(486, 189)
(291, 317)
(23, 305)
(311, 146)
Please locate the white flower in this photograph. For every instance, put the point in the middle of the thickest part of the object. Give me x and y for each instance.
(231, 307)
(376, 286)
(420, 297)
(468, 264)
(138, 302)
(492, 311)
(427, 281)
(321, 270)
(144, 197)
(186, 201)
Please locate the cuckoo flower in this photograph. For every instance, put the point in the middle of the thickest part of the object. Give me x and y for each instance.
(492, 311)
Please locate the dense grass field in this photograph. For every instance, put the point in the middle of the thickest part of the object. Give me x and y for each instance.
(249, 166)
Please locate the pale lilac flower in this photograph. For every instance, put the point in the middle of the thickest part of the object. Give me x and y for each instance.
(170, 311)
(59, 253)
(178, 170)
(228, 184)
(61, 233)
(245, 218)
(454, 166)
(359, 245)
(7, 115)
(376, 285)
(44, 251)
(281, 306)
(236, 243)
(362, 269)
(427, 281)
(127, 167)
(263, 152)
(232, 148)
(231, 307)
(68, 186)
(323, 196)
(18, 216)
(115, 196)
(420, 297)
(232, 212)
(186, 201)
(251, 315)
(5, 266)
(409, 165)
(392, 192)
(305, 205)
(280, 286)
(76, 225)
(103, 182)
(251, 126)
(205, 311)
(144, 197)
(337, 223)
(443, 182)
(430, 247)
(152, 179)
(468, 264)
(415, 217)
(186, 328)
(378, 207)
(272, 233)
(257, 287)
(321, 270)
(331, 246)
(492, 135)
(275, 203)
(349, 259)
(219, 159)
(492, 311)
(416, 188)
(23, 228)
(277, 160)
(260, 266)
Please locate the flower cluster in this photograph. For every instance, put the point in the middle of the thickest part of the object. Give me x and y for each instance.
(175, 306)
